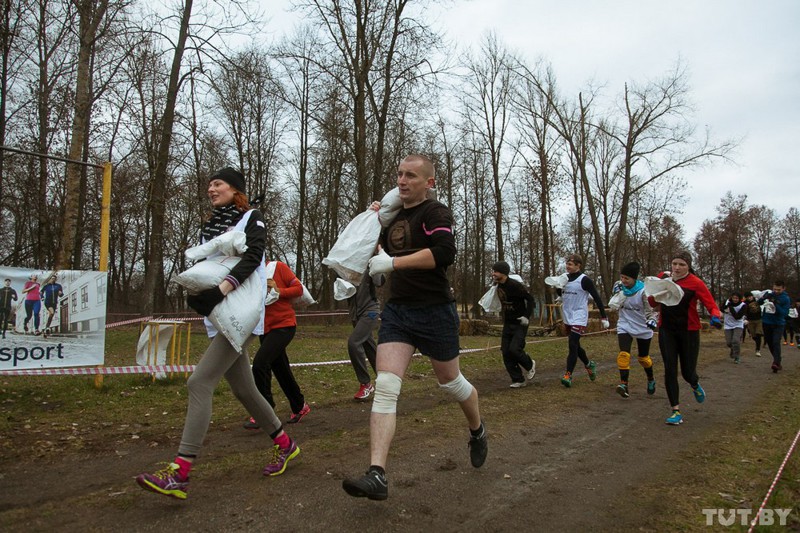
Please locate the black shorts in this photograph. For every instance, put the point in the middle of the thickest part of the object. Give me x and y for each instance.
(432, 329)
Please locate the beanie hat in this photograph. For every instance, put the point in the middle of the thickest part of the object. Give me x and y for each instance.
(502, 267)
(684, 255)
(631, 270)
(232, 177)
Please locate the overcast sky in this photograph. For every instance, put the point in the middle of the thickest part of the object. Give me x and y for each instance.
(743, 58)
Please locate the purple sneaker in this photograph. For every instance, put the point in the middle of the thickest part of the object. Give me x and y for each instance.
(280, 458)
(165, 481)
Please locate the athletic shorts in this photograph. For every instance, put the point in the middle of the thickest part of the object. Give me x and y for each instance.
(580, 330)
(432, 329)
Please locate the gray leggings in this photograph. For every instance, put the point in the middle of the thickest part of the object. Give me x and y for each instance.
(220, 360)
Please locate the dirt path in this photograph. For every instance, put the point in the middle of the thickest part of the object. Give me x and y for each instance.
(568, 470)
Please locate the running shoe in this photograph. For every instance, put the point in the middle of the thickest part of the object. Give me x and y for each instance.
(784, 343)
(165, 481)
(518, 384)
(364, 392)
(297, 417)
(478, 447)
(281, 458)
(737, 361)
(675, 418)
(622, 390)
(775, 367)
(372, 485)
(590, 369)
(567, 379)
(532, 371)
(699, 394)
(758, 353)
(251, 424)
(651, 387)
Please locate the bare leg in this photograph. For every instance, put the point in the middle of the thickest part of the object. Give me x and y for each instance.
(392, 357)
(447, 371)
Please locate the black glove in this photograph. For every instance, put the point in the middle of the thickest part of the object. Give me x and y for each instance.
(205, 301)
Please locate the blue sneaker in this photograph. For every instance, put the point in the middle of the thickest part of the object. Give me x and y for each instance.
(651, 387)
(699, 394)
(675, 419)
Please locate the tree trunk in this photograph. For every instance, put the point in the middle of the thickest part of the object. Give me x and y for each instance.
(154, 269)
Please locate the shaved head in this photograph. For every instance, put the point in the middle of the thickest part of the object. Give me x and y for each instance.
(426, 167)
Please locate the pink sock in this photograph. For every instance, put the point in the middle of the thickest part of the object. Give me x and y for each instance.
(184, 467)
(283, 441)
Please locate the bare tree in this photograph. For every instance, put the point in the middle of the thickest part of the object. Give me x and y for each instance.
(487, 110)
(657, 138)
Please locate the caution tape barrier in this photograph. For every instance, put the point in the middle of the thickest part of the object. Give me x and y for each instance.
(156, 369)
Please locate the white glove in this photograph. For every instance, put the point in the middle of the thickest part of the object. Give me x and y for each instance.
(381, 263)
(606, 324)
(523, 320)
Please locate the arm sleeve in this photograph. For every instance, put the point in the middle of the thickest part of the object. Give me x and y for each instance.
(704, 295)
(439, 228)
(588, 285)
(650, 312)
(256, 240)
(740, 313)
(530, 304)
(292, 288)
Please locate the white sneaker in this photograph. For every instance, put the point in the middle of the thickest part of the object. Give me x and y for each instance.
(758, 354)
(518, 384)
(532, 371)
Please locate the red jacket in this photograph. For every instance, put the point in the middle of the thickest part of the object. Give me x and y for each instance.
(281, 313)
(683, 315)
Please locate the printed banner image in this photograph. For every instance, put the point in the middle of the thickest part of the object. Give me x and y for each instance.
(51, 319)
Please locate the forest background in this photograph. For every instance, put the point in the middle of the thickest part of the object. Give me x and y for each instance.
(318, 118)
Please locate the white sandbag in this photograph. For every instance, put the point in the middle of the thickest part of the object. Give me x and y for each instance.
(768, 308)
(559, 282)
(355, 246)
(664, 291)
(342, 290)
(391, 204)
(490, 301)
(237, 315)
(617, 300)
(151, 349)
(759, 294)
(303, 300)
(206, 274)
(516, 277)
(229, 243)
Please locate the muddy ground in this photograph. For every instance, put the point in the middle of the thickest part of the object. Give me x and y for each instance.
(559, 460)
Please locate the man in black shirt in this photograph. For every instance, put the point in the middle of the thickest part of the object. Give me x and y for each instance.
(417, 248)
(7, 295)
(518, 306)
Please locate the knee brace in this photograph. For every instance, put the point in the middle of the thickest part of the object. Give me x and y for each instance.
(624, 361)
(645, 361)
(460, 389)
(387, 390)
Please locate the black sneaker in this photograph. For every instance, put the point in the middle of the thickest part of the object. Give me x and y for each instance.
(478, 447)
(372, 485)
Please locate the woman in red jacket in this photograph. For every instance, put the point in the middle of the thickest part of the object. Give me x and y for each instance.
(280, 324)
(679, 332)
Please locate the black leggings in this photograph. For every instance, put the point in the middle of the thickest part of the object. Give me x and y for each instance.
(575, 351)
(272, 358)
(678, 346)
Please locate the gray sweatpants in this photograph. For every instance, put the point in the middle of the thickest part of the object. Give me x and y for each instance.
(361, 346)
(220, 360)
(733, 339)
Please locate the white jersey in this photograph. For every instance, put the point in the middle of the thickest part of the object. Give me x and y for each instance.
(575, 303)
(730, 321)
(633, 316)
(260, 271)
